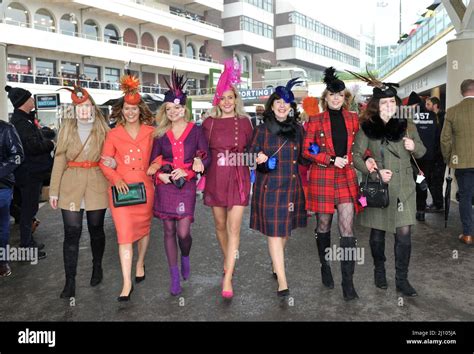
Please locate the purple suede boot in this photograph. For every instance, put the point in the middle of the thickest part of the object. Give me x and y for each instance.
(185, 267)
(175, 287)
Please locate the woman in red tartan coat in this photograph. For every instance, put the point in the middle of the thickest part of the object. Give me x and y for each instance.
(333, 180)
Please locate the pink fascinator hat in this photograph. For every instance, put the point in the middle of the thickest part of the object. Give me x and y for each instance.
(229, 77)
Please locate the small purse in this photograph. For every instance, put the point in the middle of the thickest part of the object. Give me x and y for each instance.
(136, 195)
(179, 183)
(374, 193)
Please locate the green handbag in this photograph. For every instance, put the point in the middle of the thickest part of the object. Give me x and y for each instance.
(136, 195)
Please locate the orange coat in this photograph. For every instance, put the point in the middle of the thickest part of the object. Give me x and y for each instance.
(133, 156)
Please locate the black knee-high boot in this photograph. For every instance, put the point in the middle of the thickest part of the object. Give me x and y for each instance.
(72, 234)
(97, 246)
(377, 247)
(347, 268)
(402, 261)
(323, 241)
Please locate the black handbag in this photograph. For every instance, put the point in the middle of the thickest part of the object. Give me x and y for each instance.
(136, 195)
(179, 183)
(375, 192)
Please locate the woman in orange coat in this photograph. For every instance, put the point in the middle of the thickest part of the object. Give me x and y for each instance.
(129, 144)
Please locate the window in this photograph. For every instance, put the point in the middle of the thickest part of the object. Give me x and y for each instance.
(266, 5)
(92, 73)
(257, 27)
(91, 30)
(17, 14)
(112, 75)
(111, 34)
(19, 64)
(177, 48)
(245, 65)
(68, 25)
(45, 67)
(190, 51)
(44, 21)
(70, 69)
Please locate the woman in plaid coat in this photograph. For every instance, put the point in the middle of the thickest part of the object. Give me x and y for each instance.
(278, 202)
(333, 180)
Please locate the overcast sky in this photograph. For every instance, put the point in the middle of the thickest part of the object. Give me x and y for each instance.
(349, 15)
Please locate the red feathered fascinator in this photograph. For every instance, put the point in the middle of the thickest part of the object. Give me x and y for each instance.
(129, 84)
(311, 106)
(78, 94)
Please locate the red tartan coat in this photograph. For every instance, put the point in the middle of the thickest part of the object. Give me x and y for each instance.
(321, 186)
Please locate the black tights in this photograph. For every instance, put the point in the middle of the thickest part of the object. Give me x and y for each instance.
(182, 229)
(95, 218)
(345, 220)
(402, 235)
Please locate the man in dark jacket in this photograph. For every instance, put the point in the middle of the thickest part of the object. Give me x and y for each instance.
(433, 104)
(38, 162)
(426, 127)
(11, 156)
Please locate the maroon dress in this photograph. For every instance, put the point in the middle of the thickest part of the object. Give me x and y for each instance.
(226, 184)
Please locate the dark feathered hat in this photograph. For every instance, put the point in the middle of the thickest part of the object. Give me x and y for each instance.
(176, 93)
(381, 89)
(333, 84)
(285, 91)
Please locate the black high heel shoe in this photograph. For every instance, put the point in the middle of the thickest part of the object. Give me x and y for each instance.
(125, 298)
(140, 279)
(283, 293)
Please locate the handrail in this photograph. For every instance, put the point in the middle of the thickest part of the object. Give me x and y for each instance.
(109, 40)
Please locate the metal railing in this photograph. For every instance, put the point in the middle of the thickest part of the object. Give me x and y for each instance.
(40, 79)
(108, 40)
(425, 34)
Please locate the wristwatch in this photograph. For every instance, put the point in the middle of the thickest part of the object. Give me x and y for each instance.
(332, 160)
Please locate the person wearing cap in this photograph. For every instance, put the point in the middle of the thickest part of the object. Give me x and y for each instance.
(228, 131)
(391, 140)
(37, 165)
(11, 156)
(333, 180)
(278, 203)
(183, 147)
(78, 184)
(425, 122)
(129, 145)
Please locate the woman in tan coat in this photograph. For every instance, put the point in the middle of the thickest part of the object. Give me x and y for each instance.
(77, 183)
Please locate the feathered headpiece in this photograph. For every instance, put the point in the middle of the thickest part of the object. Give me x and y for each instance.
(381, 89)
(78, 94)
(311, 106)
(176, 93)
(129, 84)
(285, 91)
(333, 84)
(229, 77)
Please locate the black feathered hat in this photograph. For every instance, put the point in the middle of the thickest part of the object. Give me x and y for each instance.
(381, 89)
(333, 84)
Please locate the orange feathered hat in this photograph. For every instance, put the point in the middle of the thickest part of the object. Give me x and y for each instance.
(78, 94)
(311, 106)
(129, 84)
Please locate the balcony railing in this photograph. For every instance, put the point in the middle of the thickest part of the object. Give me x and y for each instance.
(106, 40)
(185, 14)
(94, 84)
(424, 35)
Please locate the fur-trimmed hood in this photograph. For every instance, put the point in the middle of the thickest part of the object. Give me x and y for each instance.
(376, 129)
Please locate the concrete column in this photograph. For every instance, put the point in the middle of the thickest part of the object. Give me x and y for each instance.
(3, 82)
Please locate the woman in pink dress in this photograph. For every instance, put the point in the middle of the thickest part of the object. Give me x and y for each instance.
(229, 132)
(130, 144)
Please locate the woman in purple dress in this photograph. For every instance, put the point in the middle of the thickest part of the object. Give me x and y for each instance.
(184, 152)
(229, 132)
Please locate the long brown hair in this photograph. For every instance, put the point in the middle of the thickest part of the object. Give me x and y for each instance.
(373, 109)
(345, 105)
(69, 128)
(145, 117)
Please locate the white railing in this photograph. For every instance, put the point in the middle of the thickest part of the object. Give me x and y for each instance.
(107, 40)
(41, 79)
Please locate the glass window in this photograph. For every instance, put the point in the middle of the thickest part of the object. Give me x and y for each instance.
(177, 48)
(44, 21)
(17, 14)
(112, 75)
(70, 69)
(19, 64)
(68, 25)
(111, 34)
(92, 73)
(91, 29)
(45, 67)
(190, 51)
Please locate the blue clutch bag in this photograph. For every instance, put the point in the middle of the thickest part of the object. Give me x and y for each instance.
(313, 149)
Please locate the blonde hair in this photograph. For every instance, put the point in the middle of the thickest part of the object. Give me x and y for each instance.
(239, 110)
(146, 117)
(69, 128)
(347, 99)
(163, 124)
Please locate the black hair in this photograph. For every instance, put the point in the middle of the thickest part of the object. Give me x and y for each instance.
(290, 127)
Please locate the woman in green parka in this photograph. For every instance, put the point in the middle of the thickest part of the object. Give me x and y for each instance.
(391, 139)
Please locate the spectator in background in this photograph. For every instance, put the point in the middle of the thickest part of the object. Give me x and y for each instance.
(11, 156)
(433, 104)
(258, 119)
(457, 147)
(36, 166)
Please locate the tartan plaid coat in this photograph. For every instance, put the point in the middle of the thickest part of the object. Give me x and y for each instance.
(278, 202)
(322, 186)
